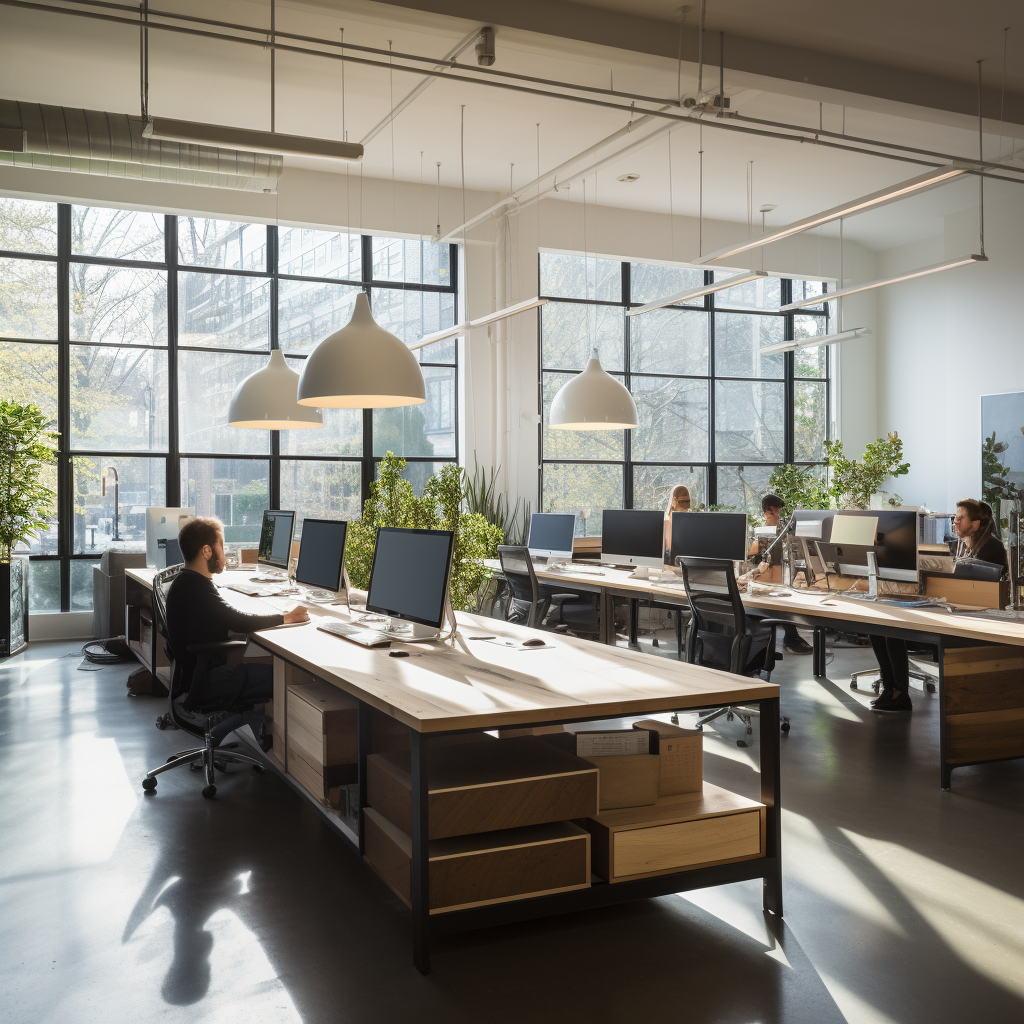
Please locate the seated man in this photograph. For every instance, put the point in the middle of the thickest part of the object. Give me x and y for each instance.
(198, 614)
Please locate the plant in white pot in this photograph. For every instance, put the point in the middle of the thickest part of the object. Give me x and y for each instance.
(27, 504)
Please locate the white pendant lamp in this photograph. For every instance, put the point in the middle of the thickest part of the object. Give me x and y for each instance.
(362, 366)
(266, 399)
(593, 400)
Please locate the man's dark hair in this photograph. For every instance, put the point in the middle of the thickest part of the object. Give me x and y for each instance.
(770, 501)
(975, 509)
(196, 533)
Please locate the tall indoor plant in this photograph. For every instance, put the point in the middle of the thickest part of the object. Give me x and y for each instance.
(851, 483)
(26, 506)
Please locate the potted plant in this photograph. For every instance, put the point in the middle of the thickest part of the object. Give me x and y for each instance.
(26, 506)
(851, 483)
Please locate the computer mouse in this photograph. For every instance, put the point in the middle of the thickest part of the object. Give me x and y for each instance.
(533, 643)
(398, 654)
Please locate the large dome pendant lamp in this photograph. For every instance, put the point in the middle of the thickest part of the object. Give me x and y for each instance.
(362, 366)
(266, 400)
(593, 400)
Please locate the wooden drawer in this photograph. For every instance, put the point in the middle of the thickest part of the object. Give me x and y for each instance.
(627, 780)
(485, 786)
(321, 723)
(471, 871)
(678, 832)
(322, 782)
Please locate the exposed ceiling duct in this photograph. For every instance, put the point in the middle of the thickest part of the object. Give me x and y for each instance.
(98, 142)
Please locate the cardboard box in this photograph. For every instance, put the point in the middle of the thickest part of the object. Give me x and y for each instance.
(681, 752)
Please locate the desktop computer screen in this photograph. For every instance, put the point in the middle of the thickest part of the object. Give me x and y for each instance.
(895, 546)
(709, 535)
(163, 524)
(633, 537)
(276, 538)
(551, 534)
(409, 576)
(322, 554)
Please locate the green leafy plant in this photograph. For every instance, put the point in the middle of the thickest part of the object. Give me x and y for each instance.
(851, 482)
(996, 486)
(393, 502)
(26, 502)
(483, 497)
(799, 487)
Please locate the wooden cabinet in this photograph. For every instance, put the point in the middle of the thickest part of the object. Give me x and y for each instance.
(321, 737)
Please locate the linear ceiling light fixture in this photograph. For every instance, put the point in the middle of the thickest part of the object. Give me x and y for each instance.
(816, 300)
(887, 195)
(815, 341)
(169, 130)
(480, 321)
(705, 289)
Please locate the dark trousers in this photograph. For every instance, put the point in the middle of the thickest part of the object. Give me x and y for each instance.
(238, 685)
(892, 662)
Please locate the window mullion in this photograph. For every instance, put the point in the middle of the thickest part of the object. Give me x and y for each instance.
(65, 481)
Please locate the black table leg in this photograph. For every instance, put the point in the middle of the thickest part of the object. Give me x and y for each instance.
(420, 855)
(771, 749)
(818, 657)
(634, 622)
(945, 769)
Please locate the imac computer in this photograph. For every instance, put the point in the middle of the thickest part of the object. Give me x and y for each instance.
(709, 535)
(276, 540)
(551, 535)
(895, 545)
(171, 551)
(409, 582)
(321, 566)
(633, 537)
(163, 524)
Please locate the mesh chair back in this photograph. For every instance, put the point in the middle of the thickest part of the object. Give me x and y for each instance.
(718, 634)
(517, 568)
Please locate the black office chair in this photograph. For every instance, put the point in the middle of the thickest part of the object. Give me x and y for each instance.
(531, 604)
(210, 720)
(721, 633)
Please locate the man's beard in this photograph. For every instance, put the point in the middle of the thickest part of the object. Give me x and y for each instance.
(214, 564)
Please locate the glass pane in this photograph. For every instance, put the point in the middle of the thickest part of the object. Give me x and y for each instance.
(223, 311)
(341, 434)
(309, 311)
(764, 293)
(810, 420)
(669, 341)
(583, 489)
(749, 421)
(322, 490)
(652, 485)
(570, 330)
(672, 420)
(229, 244)
(810, 362)
(118, 398)
(206, 382)
(236, 491)
(29, 374)
(741, 488)
(805, 289)
(576, 444)
(738, 337)
(45, 542)
(117, 234)
(412, 261)
(650, 281)
(28, 226)
(44, 586)
(118, 307)
(565, 276)
(307, 252)
(28, 299)
(81, 584)
(141, 483)
(420, 429)
(412, 314)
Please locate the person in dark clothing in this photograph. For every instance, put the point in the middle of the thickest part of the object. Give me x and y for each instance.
(197, 614)
(979, 537)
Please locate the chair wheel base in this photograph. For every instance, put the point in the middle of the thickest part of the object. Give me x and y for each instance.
(742, 743)
(785, 725)
(149, 785)
(210, 792)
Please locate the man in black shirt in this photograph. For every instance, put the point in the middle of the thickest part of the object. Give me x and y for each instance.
(197, 614)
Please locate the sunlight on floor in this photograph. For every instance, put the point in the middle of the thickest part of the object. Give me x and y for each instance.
(733, 906)
(853, 1008)
(983, 925)
(812, 689)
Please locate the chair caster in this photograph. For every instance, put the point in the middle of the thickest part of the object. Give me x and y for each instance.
(148, 784)
(930, 687)
(876, 684)
(750, 730)
(853, 684)
(210, 792)
(160, 723)
(258, 769)
(742, 743)
(785, 725)
(729, 716)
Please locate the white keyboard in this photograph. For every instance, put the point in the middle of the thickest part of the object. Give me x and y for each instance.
(253, 589)
(357, 634)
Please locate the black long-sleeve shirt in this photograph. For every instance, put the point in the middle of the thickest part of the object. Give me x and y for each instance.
(197, 614)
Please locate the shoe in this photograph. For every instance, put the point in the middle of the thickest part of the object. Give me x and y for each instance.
(899, 701)
(884, 697)
(797, 645)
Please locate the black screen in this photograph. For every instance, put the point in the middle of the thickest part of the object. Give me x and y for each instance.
(321, 554)
(409, 578)
(552, 531)
(633, 532)
(709, 535)
(895, 541)
(172, 551)
(276, 538)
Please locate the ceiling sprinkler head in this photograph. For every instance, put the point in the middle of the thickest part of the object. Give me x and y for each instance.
(632, 176)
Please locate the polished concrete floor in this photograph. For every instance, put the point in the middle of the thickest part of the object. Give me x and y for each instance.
(903, 903)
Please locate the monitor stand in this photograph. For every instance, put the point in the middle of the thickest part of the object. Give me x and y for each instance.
(415, 633)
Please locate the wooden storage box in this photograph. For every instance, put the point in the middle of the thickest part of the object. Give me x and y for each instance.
(626, 780)
(495, 867)
(681, 757)
(483, 787)
(321, 737)
(690, 830)
(957, 590)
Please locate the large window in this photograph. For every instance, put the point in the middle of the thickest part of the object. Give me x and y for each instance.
(133, 329)
(714, 413)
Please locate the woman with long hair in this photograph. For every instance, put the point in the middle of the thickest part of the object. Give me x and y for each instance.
(678, 501)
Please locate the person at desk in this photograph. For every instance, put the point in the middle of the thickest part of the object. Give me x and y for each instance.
(197, 614)
(678, 501)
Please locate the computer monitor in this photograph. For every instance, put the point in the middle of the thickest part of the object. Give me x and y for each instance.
(276, 539)
(409, 576)
(163, 524)
(322, 554)
(895, 546)
(551, 534)
(709, 535)
(631, 536)
(171, 551)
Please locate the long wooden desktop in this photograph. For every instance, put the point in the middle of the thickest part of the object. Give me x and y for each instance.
(413, 707)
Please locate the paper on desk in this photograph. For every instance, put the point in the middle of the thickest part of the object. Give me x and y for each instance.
(605, 744)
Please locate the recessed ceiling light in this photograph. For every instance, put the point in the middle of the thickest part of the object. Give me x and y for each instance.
(628, 177)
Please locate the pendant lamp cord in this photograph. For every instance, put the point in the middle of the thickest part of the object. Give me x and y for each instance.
(273, 66)
(144, 58)
(981, 170)
(700, 52)
(462, 162)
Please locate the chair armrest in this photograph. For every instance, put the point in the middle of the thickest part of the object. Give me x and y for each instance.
(775, 622)
(561, 597)
(221, 646)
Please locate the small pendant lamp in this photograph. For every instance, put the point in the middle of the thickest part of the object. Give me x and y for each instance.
(593, 400)
(266, 399)
(362, 366)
